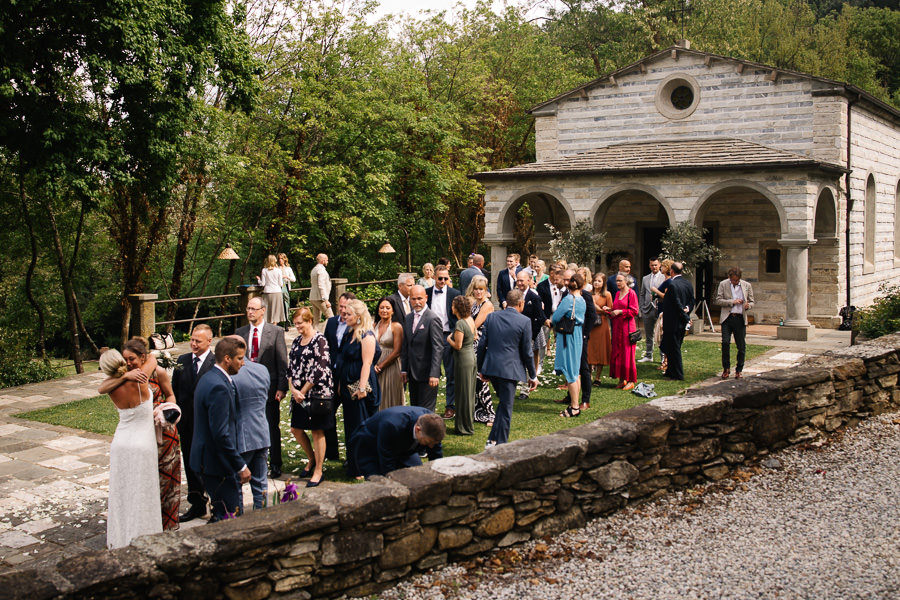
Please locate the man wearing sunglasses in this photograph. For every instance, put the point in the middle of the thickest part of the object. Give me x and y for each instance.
(440, 299)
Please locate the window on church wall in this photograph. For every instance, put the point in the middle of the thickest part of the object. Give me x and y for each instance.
(870, 221)
(677, 96)
(772, 265)
(897, 224)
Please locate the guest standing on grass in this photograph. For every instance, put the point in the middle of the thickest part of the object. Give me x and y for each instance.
(676, 306)
(481, 308)
(252, 385)
(357, 382)
(427, 279)
(535, 312)
(568, 345)
(649, 304)
(287, 278)
(271, 281)
(599, 343)
(474, 270)
(134, 507)
(462, 342)
(423, 344)
(622, 360)
(320, 290)
(735, 297)
(440, 302)
(311, 379)
(389, 332)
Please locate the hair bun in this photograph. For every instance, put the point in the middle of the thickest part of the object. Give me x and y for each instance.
(121, 371)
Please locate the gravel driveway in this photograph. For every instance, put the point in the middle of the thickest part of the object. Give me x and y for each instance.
(817, 523)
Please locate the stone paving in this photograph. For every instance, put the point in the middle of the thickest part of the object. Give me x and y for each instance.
(53, 480)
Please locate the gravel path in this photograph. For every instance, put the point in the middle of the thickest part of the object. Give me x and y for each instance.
(818, 523)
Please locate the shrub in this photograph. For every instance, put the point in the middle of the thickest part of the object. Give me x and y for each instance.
(883, 316)
(17, 367)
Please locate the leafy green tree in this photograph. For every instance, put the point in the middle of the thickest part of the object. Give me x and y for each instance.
(685, 242)
(580, 245)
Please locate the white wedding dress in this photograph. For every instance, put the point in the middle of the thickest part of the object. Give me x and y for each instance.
(134, 507)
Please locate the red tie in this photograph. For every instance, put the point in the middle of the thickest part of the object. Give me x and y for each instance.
(254, 346)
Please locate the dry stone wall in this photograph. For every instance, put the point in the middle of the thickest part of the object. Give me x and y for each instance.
(361, 538)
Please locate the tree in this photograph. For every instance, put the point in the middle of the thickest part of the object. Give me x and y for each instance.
(687, 243)
(580, 245)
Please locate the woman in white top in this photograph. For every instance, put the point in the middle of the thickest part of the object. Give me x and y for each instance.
(287, 278)
(134, 507)
(271, 279)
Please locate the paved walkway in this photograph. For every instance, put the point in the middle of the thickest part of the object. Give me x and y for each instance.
(53, 480)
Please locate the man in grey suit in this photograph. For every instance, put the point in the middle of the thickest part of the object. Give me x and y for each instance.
(400, 298)
(265, 345)
(505, 358)
(648, 305)
(252, 383)
(465, 277)
(423, 345)
(735, 296)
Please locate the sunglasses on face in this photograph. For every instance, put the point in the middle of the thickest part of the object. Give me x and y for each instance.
(443, 279)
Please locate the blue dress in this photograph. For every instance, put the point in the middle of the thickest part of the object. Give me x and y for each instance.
(356, 411)
(568, 346)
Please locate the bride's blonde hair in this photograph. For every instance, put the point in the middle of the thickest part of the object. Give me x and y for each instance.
(112, 364)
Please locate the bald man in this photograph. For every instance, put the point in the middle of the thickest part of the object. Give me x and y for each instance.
(320, 290)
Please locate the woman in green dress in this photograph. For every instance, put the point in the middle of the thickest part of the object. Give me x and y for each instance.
(462, 341)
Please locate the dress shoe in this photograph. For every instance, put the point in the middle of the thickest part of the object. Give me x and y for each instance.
(449, 413)
(738, 375)
(276, 472)
(307, 472)
(312, 483)
(725, 374)
(194, 512)
(523, 396)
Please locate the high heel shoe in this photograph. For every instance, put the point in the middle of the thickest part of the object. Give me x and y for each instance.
(307, 472)
(312, 483)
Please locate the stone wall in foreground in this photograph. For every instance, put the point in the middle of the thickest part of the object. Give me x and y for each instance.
(361, 538)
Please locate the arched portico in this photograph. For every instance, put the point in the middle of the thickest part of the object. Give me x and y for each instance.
(824, 264)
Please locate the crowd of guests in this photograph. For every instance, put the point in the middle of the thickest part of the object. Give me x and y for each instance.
(220, 411)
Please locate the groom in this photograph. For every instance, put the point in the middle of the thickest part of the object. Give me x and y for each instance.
(214, 453)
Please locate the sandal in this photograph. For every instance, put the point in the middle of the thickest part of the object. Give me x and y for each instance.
(570, 412)
(628, 386)
(597, 383)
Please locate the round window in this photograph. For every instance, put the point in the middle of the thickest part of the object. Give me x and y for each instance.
(677, 96)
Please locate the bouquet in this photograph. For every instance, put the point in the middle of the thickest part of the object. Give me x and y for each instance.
(165, 360)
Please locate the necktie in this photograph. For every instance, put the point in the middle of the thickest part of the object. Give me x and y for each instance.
(254, 345)
(196, 366)
(405, 306)
(416, 321)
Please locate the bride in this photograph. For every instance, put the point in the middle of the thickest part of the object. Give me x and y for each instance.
(134, 507)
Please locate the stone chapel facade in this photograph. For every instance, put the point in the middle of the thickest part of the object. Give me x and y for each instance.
(757, 155)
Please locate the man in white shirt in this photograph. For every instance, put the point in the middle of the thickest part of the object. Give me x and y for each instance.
(648, 302)
(735, 296)
(320, 290)
(440, 301)
(400, 298)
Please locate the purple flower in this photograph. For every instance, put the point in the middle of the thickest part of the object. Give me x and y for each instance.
(290, 492)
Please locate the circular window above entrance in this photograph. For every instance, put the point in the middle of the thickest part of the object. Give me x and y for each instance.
(677, 96)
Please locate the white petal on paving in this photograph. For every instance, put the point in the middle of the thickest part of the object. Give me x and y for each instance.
(71, 443)
(4, 458)
(64, 463)
(17, 539)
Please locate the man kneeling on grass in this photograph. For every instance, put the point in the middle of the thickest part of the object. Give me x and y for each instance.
(392, 438)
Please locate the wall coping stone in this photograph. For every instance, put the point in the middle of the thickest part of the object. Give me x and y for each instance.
(466, 473)
(651, 424)
(427, 486)
(689, 411)
(527, 459)
(359, 503)
(604, 433)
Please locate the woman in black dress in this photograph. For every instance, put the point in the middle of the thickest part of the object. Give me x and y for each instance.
(310, 378)
(358, 382)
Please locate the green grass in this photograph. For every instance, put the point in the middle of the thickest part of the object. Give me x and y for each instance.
(538, 415)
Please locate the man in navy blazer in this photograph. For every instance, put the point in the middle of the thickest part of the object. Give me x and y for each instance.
(534, 310)
(676, 307)
(336, 333)
(505, 358)
(215, 452)
(194, 365)
(506, 280)
(252, 384)
(393, 438)
(440, 300)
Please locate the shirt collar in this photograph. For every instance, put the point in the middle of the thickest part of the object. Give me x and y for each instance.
(230, 380)
(203, 356)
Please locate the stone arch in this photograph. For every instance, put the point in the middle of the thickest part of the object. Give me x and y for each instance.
(826, 216)
(869, 224)
(701, 204)
(824, 266)
(633, 216)
(548, 206)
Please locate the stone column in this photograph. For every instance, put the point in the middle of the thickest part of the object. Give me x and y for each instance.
(143, 314)
(246, 292)
(498, 263)
(796, 325)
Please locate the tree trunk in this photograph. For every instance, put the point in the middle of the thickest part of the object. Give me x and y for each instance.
(74, 258)
(68, 292)
(189, 205)
(29, 274)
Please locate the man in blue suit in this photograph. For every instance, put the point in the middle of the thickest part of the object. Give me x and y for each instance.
(394, 438)
(440, 300)
(252, 383)
(505, 358)
(214, 453)
(676, 307)
(506, 280)
(336, 333)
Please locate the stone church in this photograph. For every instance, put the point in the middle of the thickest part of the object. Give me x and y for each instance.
(762, 157)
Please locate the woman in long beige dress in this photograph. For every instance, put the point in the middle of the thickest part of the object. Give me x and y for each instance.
(389, 334)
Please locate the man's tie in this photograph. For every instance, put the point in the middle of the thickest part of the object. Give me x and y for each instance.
(405, 306)
(254, 345)
(416, 321)
(196, 366)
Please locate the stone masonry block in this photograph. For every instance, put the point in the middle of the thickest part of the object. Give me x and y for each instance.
(527, 459)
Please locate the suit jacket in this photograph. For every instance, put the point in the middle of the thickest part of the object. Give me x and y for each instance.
(466, 276)
(591, 318)
(503, 285)
(422, 348)
(319, 283)
(724, 298)
(611, 283)
(394, 440)
(252, 383)
(272, 354)
(184, 383)
(504, 348)
(543, 290)
(679, 295)
(647, 300)
(451, 293)
(397, 301)
(214, 450)
(534, 310)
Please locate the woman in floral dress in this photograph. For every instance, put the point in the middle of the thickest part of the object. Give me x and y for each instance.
(481, 308)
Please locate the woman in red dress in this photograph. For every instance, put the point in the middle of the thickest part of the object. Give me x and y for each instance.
(621, 361)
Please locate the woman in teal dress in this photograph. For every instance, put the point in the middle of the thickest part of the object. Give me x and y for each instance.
(568, 345)
(462, 341)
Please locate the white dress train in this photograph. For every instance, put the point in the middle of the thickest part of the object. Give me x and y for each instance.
(134, 508)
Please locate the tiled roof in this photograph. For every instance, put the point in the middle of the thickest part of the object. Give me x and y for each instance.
(665, 156)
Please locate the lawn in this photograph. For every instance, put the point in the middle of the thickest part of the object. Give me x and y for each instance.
(538, 415)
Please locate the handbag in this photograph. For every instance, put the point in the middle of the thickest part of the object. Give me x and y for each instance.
(354, 387)
(566, 324)
(319, 407)
(635, 336)
(161, 341)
